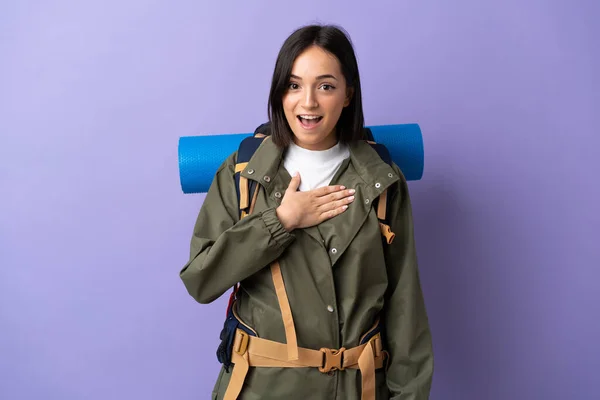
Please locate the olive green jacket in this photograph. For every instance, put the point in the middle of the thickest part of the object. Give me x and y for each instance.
(340, 276)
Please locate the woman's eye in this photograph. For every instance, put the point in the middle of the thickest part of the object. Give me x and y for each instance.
(293, 86)
(327, 87)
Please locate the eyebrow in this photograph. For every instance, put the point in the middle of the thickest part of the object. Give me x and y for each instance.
(318, 77)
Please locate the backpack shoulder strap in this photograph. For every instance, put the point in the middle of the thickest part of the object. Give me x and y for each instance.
(383, 202)
(246, 191)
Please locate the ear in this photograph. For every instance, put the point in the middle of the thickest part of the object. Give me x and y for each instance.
(349, 94)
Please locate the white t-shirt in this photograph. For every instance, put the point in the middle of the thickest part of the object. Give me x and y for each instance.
(316, 167)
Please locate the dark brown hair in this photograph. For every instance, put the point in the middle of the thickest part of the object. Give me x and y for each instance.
(336, 41)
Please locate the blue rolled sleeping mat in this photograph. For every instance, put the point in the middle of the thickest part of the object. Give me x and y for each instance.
(201, 156)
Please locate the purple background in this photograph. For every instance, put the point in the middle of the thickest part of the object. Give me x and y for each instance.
(94, 227)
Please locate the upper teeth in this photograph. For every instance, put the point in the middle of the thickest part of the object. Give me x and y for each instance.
(309, 116)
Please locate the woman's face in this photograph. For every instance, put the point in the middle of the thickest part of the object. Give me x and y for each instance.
(315, 98)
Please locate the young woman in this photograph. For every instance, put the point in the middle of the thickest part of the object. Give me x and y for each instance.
(329, 304)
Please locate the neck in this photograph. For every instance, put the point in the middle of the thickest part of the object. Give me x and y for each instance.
(330, 141)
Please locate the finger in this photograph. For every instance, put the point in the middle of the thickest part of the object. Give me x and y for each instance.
(324, 191)
(332, 213)
(294, 183)
(335, 204)
(337, 196)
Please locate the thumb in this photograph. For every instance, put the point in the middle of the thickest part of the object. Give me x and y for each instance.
(294, 183)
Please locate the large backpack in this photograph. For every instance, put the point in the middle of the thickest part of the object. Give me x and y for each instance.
(247, 191)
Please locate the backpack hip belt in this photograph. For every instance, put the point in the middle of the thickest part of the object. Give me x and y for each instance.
(251, 351)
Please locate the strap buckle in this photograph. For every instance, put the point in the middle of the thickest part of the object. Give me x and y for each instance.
(243, 343)
(333, 360)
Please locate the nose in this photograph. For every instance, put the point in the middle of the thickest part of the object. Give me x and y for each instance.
(310, 99)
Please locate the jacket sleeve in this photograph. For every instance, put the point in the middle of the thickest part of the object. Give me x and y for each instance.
(225, 250)
(407, 332)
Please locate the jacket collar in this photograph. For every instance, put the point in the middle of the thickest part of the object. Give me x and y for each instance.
(264, 164)
(376, 173)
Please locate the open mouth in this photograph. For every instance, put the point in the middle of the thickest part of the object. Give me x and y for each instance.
(309, 121)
